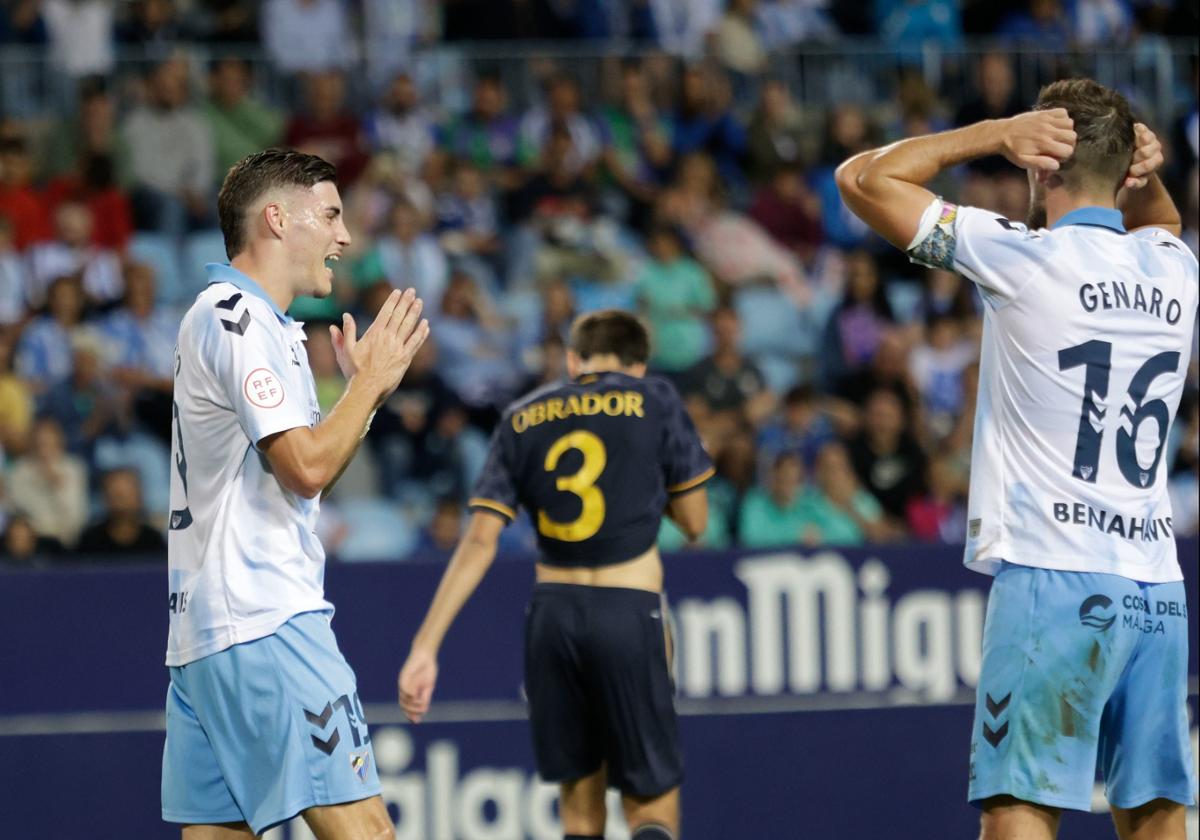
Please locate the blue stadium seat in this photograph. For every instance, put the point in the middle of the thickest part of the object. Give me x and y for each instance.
(159, 253)
(377, 529)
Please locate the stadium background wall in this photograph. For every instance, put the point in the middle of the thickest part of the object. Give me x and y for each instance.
(824, 695)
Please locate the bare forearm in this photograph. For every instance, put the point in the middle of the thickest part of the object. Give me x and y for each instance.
(467, 567)
(917, 160)
(883, 187)
(1150, 206)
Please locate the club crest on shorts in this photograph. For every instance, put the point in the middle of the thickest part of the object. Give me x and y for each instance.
(360, 763)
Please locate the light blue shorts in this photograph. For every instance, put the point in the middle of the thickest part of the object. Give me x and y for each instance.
(1080, 670)
(265, 729)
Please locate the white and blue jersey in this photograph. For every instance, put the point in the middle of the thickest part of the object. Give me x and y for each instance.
(1086, 341)
(1087, 335)
(243, 557)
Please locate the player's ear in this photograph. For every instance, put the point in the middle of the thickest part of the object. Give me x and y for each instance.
(273, 216)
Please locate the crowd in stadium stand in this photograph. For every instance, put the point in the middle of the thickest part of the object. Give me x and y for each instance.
(832, 381)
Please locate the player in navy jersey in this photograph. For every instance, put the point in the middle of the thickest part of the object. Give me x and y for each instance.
(596, 461)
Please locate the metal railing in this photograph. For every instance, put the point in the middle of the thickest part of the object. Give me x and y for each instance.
(1157, 74)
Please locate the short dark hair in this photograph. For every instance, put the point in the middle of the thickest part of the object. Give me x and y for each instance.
(252, 176)
(1104, 136)
(611, 331)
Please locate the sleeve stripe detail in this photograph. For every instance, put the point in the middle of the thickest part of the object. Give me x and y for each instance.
(693, 482)
(491, 504)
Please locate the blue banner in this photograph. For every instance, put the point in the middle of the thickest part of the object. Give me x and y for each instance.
(823, 694)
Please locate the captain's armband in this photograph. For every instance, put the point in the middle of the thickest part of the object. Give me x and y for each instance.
(933, 246)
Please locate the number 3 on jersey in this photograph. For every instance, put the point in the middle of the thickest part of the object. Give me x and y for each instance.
(1096, 357)
(581, 483)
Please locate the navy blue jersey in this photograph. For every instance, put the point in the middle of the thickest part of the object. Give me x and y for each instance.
(593, 461)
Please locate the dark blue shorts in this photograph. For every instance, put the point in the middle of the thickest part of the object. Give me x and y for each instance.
(599, 687)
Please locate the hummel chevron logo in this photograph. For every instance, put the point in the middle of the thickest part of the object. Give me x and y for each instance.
(994, 707)
(1168, 245)
(320, 720)
(993, 738)
(229, 302)
(237, 327)
(329, 746)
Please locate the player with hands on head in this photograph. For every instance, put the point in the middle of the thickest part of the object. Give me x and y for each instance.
(1089, 311)
(264, 721)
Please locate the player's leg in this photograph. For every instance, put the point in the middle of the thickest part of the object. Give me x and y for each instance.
(627, 648)
(1145, 745)
(562, 720)
(581, 806)
(1053, 651)
(228, 831)
(285, 724)
(652, 817)
(1160, 819)
(194, 791)
(365, 819)
(1006, 818)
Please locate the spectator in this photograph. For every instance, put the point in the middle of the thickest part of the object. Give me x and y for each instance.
(789, 211)
(231, 22)
(777, 137)
(326, 128)
(848, 132)
(73, 252)
(85, 404)
(23, 22)
(777, 515)
(486, 135)
(912, 24)
(858, 323)
(737, 41)
(468, 223)
(941, 514)
(561, 110)
(81, 35)
(151, 25)
(676, 294)
(94, 186)
(400, 126)
(1101, 22)
(306, 35)
(16, 404)
(44, 351)
(474, 357)
(996, 98)
(23, 547)
(25, 206)
(886, 456)
(49, 486)
(803, 427)
(937, 365)
(1044, 26)
(726, 380)
(142, 338)
(123, 533)
(240, 124)
(839, 511)
(440, 537)
(171, 155)
(637, 141)
(405, 256)
(14, 279)
(786, 23)
(704, 121)
(683, 25)
(90, 130)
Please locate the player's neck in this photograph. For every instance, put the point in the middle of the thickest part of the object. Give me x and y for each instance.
(270, 281)
(1059, 203)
